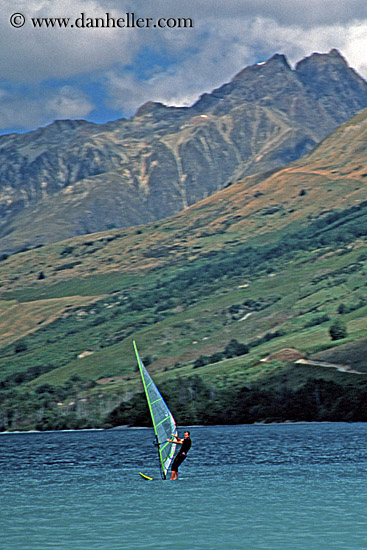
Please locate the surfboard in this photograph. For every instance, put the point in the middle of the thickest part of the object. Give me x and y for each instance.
(145, 477)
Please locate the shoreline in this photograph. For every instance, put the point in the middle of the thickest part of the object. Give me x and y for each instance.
(126, 427)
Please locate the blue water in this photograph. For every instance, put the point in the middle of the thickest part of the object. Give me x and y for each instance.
(276, 487)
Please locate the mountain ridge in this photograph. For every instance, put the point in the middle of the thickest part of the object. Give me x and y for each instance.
(76, 177)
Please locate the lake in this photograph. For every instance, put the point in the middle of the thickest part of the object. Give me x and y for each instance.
(254, 487)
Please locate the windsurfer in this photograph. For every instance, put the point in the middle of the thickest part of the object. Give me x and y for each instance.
(181, 455)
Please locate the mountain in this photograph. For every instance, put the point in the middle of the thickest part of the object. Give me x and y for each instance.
(74, 177)
(231, 303)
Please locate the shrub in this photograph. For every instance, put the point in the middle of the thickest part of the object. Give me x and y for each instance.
(338, 330)
(216, 357)
(317, 320)
(67, 250)
(20, 347)
(200, 362)
(235, 348)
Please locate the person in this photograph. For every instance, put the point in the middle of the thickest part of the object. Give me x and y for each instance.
(181, 455)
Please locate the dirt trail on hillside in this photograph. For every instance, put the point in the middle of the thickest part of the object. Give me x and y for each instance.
(340, 368)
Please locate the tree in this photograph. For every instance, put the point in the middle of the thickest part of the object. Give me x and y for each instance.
(200, 362)
(235, 348)
(338, 330)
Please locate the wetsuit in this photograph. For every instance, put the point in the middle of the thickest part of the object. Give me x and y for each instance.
(181, 455)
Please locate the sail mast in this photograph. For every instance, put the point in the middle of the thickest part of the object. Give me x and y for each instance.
(163, 422)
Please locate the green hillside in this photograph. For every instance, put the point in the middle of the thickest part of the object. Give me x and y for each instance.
(223, 300)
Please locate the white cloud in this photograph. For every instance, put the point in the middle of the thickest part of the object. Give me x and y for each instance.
(355, 48)
(34, 55)
(174, 66)
(224, 52)
(288, 12)
(38, 54)
(68, 102)
(22, 110)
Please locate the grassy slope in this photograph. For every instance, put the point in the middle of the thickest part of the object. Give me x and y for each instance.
(97, 293)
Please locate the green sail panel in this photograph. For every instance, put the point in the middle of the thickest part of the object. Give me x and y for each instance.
(163, 422)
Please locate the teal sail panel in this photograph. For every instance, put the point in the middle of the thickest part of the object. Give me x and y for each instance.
(163, 422)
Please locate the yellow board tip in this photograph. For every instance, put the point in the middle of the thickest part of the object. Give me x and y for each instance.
(145, 477)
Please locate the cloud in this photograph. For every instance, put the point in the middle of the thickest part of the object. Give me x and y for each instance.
(37, 54)
(68, 102)
(174, 66)
(223, 52)
(355, 47)
(284, 12)
(19, 109)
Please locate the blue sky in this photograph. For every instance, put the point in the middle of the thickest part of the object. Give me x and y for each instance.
(102, 74)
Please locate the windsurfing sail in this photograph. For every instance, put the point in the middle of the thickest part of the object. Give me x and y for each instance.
(163, 422)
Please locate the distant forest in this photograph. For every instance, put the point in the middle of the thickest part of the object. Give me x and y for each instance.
(194, 402)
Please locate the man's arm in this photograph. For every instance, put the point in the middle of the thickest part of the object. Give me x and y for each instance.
(177, 440)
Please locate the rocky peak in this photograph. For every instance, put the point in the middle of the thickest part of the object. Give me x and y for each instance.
(324, 60)
(320, 68)
(253, 83)
(329, 79)
(156, 117)
(277, 62)
(150, 108)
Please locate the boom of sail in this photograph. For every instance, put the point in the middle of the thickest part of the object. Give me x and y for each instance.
(163, 422)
